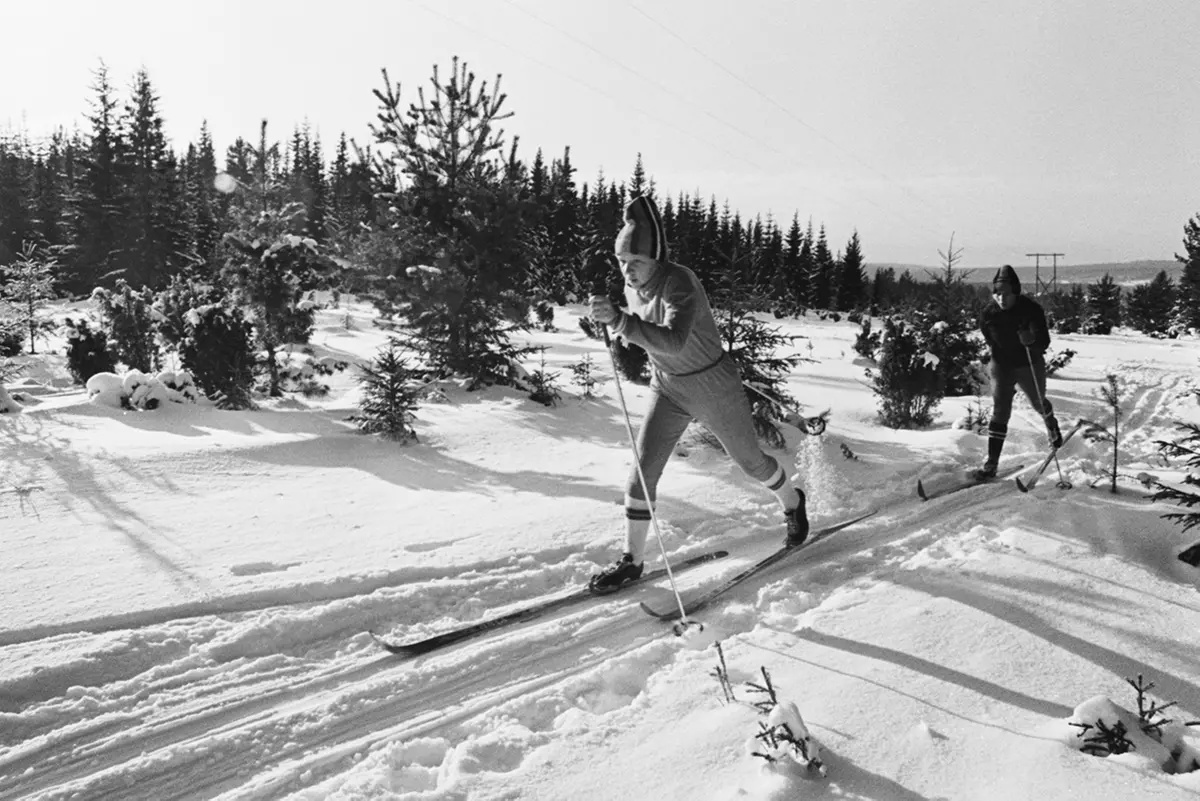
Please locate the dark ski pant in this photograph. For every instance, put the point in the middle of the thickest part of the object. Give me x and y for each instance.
(1005, 380)
(716, 399)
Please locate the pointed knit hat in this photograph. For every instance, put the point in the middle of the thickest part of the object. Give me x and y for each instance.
(643, 234)
(1007, 275)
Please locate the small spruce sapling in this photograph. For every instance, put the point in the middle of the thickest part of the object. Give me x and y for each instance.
(1186, 447)
(584, 375)
(1150, 712)
(544, 384)
(1100, 739)
(390, 389)
(721, 672)
(1110, 392)
(784, 733)
(28, 284)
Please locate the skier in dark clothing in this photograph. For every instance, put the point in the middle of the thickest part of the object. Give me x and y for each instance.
(1014, 328)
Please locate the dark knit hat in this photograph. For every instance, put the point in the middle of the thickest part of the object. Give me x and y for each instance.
(643, 233)
(1007, 275)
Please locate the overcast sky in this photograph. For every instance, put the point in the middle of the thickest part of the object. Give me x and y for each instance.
(1019, 126)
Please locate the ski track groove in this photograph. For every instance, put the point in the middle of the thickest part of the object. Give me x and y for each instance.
(425, 708)
(249, 724)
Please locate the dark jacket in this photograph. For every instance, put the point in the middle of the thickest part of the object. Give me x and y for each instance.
(1000, 330)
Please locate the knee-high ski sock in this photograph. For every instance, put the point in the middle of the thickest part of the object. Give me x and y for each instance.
(995, 446)
(637, 524)
(783, 489)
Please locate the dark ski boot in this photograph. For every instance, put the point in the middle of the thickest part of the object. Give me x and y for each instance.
(612, 578)
(797, 524)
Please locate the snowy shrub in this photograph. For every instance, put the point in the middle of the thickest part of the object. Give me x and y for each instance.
(390, 388)
(88, 351)
(7, 404)
(1147, 739)
(866, 342)
(783, 740)
(181, 385)
(300, 372)
(216, 348)
(1058, 361)
(106, 389)
(144, 391)
(12, 335)
(130, 320)
(137, 390)
(907, 381)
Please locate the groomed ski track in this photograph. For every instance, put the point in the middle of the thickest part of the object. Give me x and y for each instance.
(263, 725)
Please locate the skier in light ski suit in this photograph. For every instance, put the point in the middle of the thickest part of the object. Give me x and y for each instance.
(692, 379)
(1015, 330)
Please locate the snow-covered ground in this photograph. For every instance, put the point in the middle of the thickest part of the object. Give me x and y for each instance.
(186, 594)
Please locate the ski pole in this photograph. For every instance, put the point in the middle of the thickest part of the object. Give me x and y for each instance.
(637, 461)
(1037, 389)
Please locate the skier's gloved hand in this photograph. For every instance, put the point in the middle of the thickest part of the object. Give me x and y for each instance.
(603, 311)
(1027, 336)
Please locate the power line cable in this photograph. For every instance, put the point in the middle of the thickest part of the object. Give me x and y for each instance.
(661, 87)
(785, 156)
(622, 102)
(781, 107)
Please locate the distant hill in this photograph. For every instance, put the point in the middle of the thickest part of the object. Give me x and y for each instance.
(1128, 272)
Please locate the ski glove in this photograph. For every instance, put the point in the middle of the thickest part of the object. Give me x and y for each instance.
(603, 311)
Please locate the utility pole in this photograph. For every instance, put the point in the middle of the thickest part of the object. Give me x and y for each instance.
(1037, 272)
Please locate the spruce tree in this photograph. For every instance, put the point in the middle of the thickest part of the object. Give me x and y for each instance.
(17, 224)
(459, 231)
(28, 285)
(98, 200)
(566, 232)
(852, 277)
(1102, 312)
(268, 262)
(947, 324)
(1187, 310)
(1149, 306)
(390, 386)
(637, 183)
(51, 187)
(820, 294)
(796, 278)
(152, 242)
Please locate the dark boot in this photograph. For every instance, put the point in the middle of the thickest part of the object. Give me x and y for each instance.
(797, 523)
(1053, 432)
(984, 473)
(617, 575)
